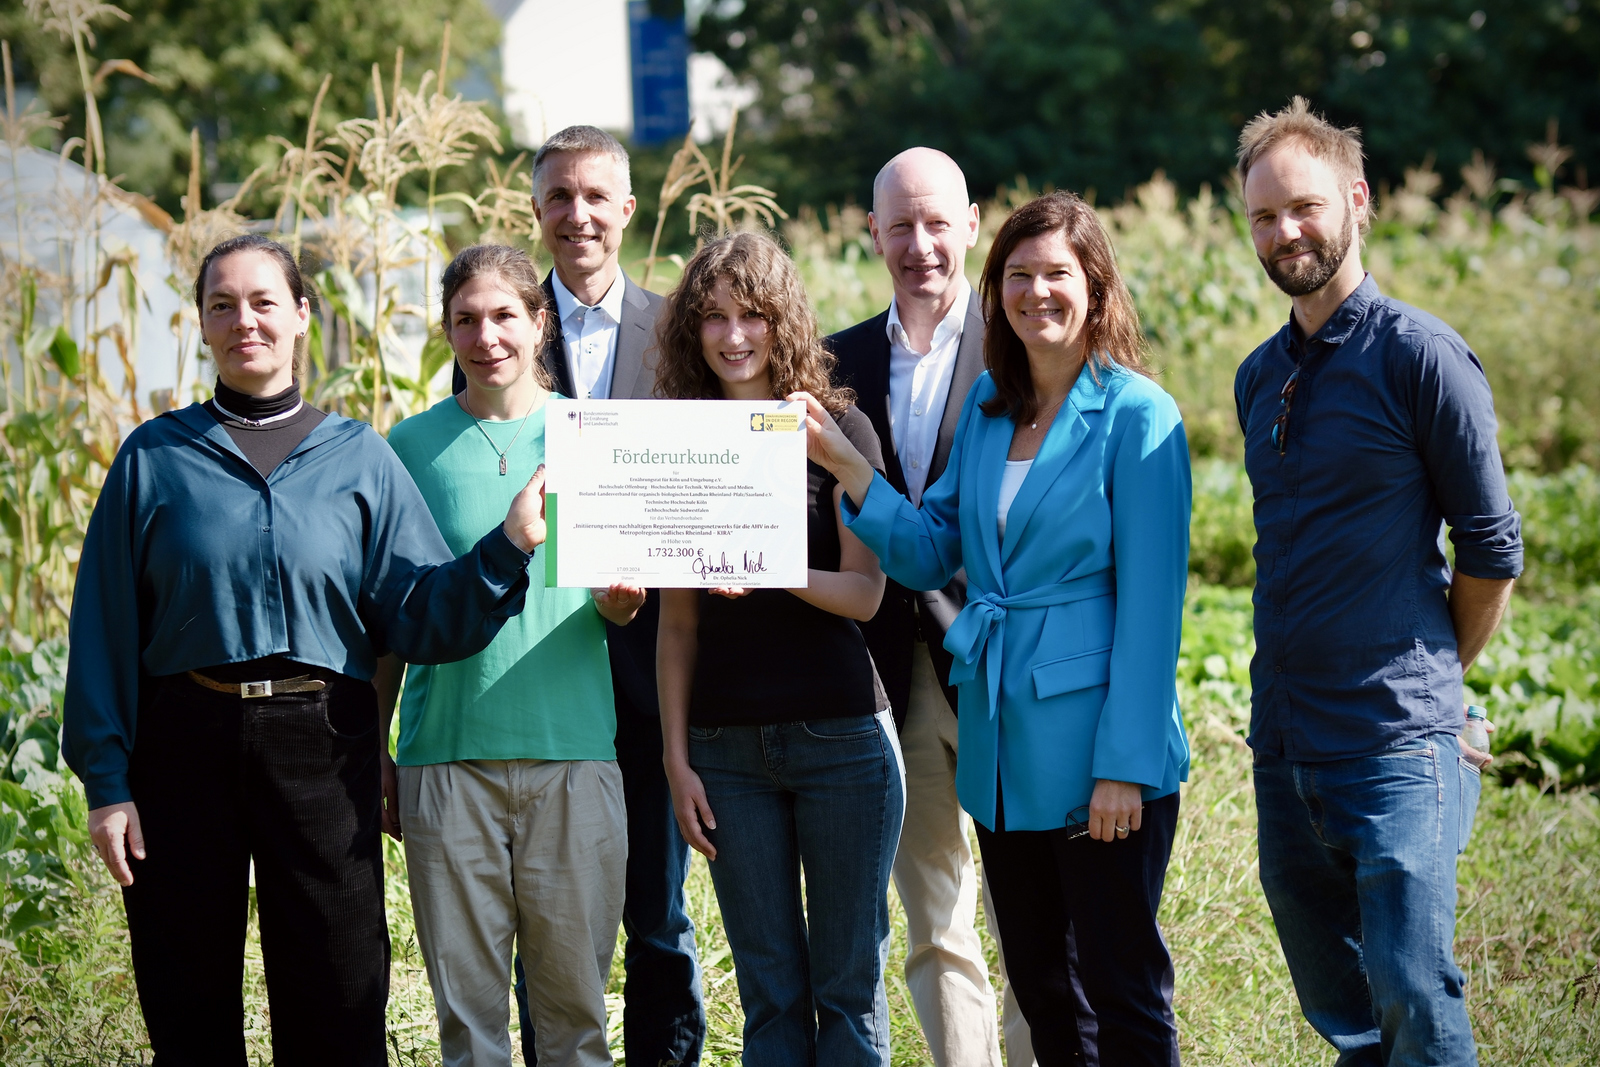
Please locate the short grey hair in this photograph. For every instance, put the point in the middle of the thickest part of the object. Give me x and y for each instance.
(583, 139)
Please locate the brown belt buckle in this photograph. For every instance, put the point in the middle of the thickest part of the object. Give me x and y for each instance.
(255, 690)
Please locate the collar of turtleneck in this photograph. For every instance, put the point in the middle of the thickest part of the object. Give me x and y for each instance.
(258, 410)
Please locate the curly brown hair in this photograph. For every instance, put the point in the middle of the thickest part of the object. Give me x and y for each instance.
(764, 280)
(1111, 334)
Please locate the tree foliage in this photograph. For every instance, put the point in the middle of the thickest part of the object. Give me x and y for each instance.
(1100, 93)
(238, 70)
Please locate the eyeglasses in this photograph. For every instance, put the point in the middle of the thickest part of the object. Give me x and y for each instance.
(1077, 822)
(1280, 425)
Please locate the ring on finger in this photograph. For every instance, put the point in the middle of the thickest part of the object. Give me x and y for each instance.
(1123, 829)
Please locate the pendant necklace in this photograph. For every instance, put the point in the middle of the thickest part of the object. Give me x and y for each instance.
(1035, 424)
(501, 452)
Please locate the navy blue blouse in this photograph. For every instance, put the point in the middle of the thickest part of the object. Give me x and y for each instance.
(193, 559)
(1391, 436)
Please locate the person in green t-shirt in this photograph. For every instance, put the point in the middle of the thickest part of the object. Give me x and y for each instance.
(505, 786)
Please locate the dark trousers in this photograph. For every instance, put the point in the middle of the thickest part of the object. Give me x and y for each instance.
(292, 782)
(663, 1018)
(1087, 908)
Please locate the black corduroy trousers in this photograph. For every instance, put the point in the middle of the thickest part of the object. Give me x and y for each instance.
(292, 782)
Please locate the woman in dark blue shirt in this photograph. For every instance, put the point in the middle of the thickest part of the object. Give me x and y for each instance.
(246, 562)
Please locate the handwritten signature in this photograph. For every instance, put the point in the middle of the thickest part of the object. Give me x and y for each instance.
(703, 566)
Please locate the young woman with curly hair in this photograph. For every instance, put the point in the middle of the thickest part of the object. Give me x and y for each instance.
(779, 747)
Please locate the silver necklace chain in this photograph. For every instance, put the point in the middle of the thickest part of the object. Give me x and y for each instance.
(1052, 411)
(501, 452)
(268, 421)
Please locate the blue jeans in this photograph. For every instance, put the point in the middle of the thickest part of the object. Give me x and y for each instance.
(823, 796)
(1358, 861)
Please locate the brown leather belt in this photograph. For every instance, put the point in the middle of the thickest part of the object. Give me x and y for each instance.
(302, 683)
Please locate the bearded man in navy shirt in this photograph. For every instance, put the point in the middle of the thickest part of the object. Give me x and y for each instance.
(1369, 427)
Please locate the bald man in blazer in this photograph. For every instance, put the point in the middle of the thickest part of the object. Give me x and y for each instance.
(911, 368)
(604, 325)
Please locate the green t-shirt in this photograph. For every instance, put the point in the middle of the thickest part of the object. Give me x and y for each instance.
(542, 689)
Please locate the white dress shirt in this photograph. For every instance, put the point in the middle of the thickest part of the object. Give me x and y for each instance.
(919, 387)
(590, 337)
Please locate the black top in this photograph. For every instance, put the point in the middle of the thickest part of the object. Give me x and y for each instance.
(769, 657)
(265, 446)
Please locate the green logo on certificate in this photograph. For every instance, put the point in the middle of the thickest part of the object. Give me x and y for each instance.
(774, 422)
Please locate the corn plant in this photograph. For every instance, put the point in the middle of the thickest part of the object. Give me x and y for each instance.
(61, 424)
(687, 169)
(42, 821)
(341, 196)
(504, 210)
(723, 199)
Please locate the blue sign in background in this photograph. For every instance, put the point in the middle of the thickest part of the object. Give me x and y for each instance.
(660, 59)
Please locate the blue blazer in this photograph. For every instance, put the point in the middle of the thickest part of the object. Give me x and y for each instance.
(1066, 654)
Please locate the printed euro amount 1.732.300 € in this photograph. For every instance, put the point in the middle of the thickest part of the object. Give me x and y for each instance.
(675, 494)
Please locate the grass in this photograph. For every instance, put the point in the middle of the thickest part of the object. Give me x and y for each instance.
(1528, 937)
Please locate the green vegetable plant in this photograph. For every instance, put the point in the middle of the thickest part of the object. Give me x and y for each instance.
(43, 820)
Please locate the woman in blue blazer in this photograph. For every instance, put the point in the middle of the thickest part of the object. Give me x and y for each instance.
(1066, 498)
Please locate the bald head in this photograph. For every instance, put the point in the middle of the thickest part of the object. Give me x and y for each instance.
(922, 225)
(921, 171)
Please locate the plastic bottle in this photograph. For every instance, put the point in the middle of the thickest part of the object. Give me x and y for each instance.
(1476, 733)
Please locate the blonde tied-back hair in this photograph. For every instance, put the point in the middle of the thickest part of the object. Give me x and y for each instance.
(1301, 127)
(764, 281)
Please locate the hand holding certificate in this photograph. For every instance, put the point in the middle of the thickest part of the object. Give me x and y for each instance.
(676, 493)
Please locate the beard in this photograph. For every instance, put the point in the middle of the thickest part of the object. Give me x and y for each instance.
(1308, 276)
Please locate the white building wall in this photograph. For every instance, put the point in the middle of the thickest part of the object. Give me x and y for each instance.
(714, 94)
(55, 200)
(565, 62)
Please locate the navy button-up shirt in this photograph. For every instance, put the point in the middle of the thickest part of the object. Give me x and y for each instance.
(1390, 436)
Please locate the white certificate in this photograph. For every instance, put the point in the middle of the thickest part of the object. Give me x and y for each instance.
(675, 494)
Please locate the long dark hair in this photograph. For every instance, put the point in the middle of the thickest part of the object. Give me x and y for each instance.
(512, 267)
(764, 280)
(1111, 333)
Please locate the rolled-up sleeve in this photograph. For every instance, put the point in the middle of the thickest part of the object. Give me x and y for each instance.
(1455, 426)
(99, 716)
